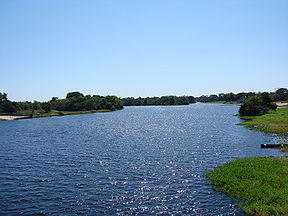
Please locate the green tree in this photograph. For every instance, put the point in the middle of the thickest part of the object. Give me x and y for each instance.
(192, 99)
(257, 105)
(281, 94)
(74, 94)
(9, 107)
(47, 107)
(3, 96)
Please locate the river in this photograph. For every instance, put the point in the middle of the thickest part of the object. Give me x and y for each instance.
(136, 161)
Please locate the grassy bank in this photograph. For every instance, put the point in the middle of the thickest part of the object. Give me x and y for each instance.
(272, 122)
(41, 113)
(261, 184)
(62, 113)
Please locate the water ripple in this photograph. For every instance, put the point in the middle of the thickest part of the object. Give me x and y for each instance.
(138, 161)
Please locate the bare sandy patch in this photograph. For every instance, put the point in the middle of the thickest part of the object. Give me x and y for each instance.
(281, 104)
(9, 118)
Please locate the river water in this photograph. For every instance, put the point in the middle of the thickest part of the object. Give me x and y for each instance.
(137, 161)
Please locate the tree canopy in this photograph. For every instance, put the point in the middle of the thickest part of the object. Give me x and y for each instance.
(228, 97)
(74, 101)
(164, 101)
(257, 105)
(73, 94)
(281, 94)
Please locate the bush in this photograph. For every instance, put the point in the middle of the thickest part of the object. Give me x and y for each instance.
(257, 105)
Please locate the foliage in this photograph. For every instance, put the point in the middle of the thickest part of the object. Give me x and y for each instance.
(272, 122)
(192, 99)
(228, 97)
(3, 97)
(164, 101)
(257, 105)
(260, 183)
(47, 107)
(8, 107)
(73, 94)
(281, 94)
(75, 101)
(283, 148)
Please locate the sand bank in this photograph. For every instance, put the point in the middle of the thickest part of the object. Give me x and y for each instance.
(8, 118)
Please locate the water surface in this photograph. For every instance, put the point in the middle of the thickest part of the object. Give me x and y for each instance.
(137, 161)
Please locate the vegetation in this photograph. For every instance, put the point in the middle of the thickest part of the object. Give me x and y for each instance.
(275, 121)
(285, 147)
(224, 98)
(164, 101)
(74, 102)
(257, 105)
(280, 94)
(261, 184)
(40, 113)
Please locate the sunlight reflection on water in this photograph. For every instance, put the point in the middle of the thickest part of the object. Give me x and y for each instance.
(140, 160)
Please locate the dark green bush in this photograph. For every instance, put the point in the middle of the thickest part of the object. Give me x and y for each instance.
(257, 105)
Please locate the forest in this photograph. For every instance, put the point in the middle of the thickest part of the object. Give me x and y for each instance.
(280, 94)
(163, 101)
(74, 101)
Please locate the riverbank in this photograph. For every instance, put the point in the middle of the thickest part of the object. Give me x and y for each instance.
(282, 104)
(10, 118)
(261, 184)
(273, 122)
(49, 114)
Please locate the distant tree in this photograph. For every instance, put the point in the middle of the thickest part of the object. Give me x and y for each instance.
(164, 101)
(3, 97)
(281, 94)
(74, 94)
(46, 107)
(9, 107)
(229, 97)
(257, 105)
(36, 105)
(54, 99)
(192, 99)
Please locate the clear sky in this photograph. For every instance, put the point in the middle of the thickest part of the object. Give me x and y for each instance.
(141, 48)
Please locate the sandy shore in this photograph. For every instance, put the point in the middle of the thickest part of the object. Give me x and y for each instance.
(281, 104)
(8, 118)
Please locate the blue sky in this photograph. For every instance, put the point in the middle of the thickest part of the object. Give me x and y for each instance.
(142, 48)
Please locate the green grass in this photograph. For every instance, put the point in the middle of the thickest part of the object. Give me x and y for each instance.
(62, 113)
(53, 113)
(283, 149)
(41, 113)
(260, 184)
(272, 122)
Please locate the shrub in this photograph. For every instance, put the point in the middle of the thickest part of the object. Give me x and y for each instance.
(257, 105)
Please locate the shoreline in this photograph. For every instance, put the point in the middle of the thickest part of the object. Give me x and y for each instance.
(275, 122)
(281, 104)
(259, 183)
(11, 117)
(50, 114)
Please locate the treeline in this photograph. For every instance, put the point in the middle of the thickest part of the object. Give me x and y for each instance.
(163, 101)
(280, 94)
(74, 101)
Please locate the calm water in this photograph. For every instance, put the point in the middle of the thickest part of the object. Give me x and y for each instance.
(137, 161)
